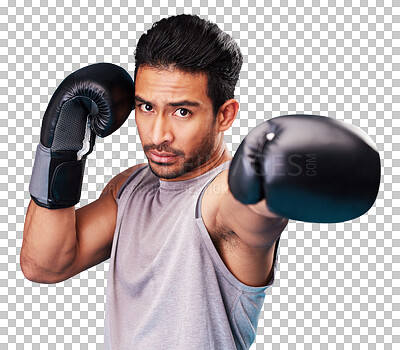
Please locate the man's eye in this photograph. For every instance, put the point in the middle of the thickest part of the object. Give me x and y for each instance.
(183, 112)
(145, 107)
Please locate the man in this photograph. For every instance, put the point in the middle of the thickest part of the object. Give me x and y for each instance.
(192, 236)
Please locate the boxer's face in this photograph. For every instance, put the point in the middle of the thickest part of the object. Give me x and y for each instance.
(174, 117)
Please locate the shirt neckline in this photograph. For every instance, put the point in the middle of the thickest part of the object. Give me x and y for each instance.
(184, 184)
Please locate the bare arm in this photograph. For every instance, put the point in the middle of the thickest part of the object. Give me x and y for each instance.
(253, 231)
(60, 243)
(49, 242)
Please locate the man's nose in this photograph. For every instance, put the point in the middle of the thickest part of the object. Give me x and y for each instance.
(161, 130)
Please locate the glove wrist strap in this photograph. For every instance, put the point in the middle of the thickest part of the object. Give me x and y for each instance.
(57, 177)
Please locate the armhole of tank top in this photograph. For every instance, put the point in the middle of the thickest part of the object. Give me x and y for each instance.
(128, 181)
(200, 198)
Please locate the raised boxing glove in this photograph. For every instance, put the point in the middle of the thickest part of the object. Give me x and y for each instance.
(94, 100)
(308, 168)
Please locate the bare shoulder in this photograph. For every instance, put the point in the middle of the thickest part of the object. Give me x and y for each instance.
(118, 180)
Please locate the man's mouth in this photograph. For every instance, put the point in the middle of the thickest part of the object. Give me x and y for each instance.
(162, 157)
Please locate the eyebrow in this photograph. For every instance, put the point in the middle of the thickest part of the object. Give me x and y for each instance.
(173, 104)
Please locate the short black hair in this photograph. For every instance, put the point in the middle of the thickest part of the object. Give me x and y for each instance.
(193, 45)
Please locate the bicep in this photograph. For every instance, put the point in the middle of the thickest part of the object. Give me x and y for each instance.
(95, 226)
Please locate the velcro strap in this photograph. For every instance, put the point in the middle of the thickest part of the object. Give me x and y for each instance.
(66, 183)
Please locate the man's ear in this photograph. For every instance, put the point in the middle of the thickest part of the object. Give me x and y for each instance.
(226, 114)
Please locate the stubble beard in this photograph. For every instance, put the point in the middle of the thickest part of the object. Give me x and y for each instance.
(201, 156)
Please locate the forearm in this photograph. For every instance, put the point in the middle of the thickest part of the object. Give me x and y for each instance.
(273, 222)
(261, 208)
(49, 243)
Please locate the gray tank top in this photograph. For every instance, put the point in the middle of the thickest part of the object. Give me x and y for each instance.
(167, 286)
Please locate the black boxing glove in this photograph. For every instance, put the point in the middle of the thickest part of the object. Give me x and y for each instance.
(308, 168)
(94, 100)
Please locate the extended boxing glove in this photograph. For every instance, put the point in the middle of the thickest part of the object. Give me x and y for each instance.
(94, 100)
(308, 168)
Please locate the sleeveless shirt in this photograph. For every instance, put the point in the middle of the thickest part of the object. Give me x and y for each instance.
(167, 286)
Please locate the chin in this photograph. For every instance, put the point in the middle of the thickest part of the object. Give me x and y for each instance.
(165, 170)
